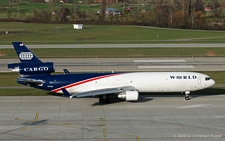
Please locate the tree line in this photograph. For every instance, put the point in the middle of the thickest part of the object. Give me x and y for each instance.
(185, 14)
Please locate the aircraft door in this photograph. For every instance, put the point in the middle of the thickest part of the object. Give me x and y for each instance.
(199, 80)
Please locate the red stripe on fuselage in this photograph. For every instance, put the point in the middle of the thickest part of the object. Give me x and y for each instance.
(82, 82)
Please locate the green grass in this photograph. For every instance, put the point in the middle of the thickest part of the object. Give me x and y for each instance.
(8, 79)
(117, 52)
(23, 92)
(65, 34)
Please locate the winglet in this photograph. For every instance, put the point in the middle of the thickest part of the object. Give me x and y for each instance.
(66, 93)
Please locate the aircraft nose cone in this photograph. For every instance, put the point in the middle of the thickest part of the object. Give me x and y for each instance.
(212, 82)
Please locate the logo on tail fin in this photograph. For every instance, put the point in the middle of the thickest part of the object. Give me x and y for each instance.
(26, 55)
(30, 64)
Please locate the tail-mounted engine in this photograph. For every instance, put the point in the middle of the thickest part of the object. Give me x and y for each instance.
(29, 69)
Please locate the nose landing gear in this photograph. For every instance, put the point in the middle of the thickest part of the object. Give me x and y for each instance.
(187, 97)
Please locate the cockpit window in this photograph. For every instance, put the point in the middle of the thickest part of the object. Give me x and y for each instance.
(207, 78)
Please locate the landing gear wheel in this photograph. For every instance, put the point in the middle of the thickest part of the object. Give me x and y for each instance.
(187, 98)
(103, 99)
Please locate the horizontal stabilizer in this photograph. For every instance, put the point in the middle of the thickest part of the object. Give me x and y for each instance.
(14, 65)
(34, 81)
(30, 81)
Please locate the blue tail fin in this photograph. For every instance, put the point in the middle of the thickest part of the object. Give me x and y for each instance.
(24, 54)
(30, 64)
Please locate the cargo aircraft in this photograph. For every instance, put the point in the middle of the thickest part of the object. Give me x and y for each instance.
(126, 85)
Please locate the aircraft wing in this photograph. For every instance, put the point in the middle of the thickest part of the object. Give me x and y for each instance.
(105, 91)
(99, 91)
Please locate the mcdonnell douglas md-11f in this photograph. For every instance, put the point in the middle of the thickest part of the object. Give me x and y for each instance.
(126, 85)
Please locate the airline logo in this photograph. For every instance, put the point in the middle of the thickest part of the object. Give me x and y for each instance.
(184, 77)
(26, 55)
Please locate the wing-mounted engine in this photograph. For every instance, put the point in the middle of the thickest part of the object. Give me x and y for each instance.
(129, 95)
(31, 69)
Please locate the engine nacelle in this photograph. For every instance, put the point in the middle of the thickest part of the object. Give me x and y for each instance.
(129, 95)
(43, 68)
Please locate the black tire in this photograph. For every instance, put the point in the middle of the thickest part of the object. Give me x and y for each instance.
(101, 100)
(187, 98)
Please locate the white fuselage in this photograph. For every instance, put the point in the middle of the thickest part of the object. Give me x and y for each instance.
(148, 82)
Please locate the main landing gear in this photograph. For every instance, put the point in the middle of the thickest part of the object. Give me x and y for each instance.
(187, 97)
(103, 99)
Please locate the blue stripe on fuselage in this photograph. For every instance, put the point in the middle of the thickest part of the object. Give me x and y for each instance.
(56, 81)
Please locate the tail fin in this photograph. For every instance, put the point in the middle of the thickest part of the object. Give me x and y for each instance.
(24, 54)
(30, 64)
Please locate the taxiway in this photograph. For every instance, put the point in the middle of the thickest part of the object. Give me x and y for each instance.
(154, 117)
(130, 64)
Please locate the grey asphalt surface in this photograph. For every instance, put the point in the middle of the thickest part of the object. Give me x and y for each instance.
(130, 64)
(116, 45)
(154, 117)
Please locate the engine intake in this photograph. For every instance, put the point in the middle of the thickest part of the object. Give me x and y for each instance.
(129, 95)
